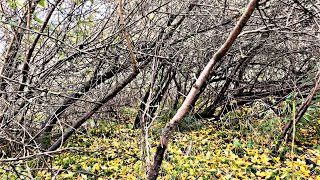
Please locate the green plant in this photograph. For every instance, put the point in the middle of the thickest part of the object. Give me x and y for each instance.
(190, 123)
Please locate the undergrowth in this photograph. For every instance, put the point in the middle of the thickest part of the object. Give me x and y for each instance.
(240, 149)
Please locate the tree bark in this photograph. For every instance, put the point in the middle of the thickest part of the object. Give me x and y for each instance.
(303, 107)
(182, 111)
(243, 61)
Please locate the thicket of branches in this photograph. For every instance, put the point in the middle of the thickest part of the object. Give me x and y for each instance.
(64, 62)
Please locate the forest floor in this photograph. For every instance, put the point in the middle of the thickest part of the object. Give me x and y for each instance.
(198, 150)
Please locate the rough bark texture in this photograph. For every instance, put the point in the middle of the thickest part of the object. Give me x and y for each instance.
(182, 111)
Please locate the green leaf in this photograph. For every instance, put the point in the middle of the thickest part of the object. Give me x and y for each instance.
(12, 4)
(130, 126)
(43, 3)
(289, 97)
(307, 117)
(250, 144)
(237, 143)
(39, 21)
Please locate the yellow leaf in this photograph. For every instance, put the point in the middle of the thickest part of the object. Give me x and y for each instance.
(262, 174)
(265, 159)
(267, 151)
(192, 172)
(69, 175)
(131, 177)
(96, 167)
(304, 171)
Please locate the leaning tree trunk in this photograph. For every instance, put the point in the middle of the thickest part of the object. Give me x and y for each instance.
(209, 111)
(301, 111)
(171, 125)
